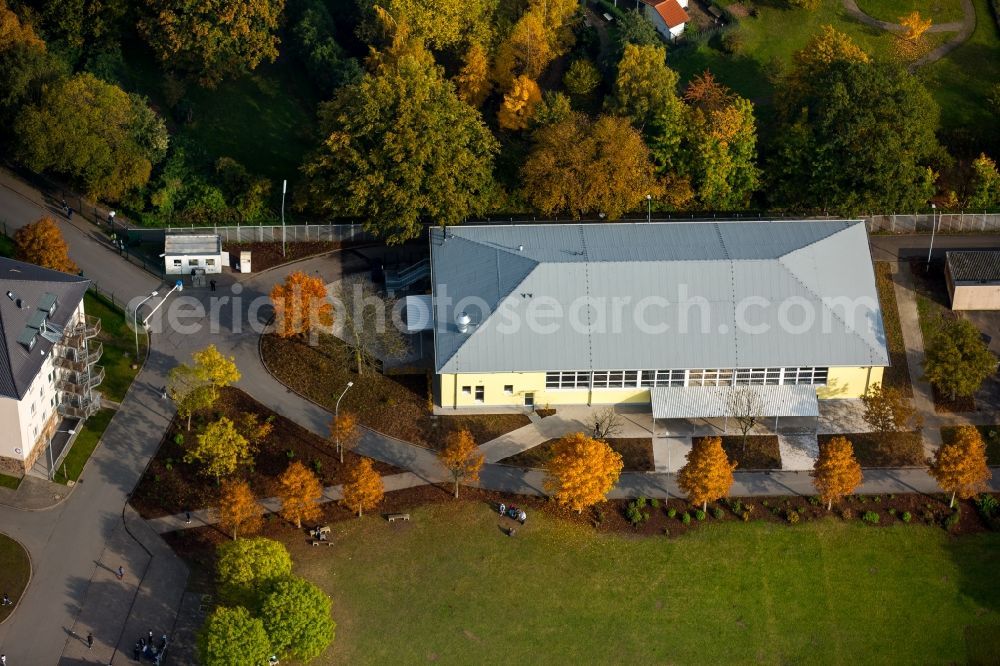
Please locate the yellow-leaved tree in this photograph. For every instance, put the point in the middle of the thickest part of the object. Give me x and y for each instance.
(299, 491)
(519, 103)
(220, 449)
(344, 432)
(708, 474)
(836, 472)
(582, 471)
(959, 466)
(301, 306)
(473, 80)
(239, 512)
(915, 24)
(363, 489)
(461, 457)
(42, 243)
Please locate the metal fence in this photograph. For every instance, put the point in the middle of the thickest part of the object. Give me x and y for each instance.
(922, 223)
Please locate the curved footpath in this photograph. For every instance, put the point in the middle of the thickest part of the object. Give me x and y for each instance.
(964, 28)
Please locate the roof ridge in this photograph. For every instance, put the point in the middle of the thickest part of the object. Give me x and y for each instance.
(824, 238)
(732, 286)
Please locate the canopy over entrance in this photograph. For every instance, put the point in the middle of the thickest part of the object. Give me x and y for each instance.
(694, 402)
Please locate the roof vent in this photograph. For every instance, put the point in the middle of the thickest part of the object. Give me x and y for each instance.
(11, 296)
(520, 248)
(464, 321)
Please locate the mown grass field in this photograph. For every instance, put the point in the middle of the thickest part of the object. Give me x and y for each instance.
(449, 587)
(15, 570)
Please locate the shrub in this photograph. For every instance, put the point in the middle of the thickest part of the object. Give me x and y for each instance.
(671, 512)
(635, 514)
(717, 513)
(655, 503)
(746, 516)
(737, 507)
(765, 503)
(733, 42)
(792, 516)
(814, 500)
(686, 518)
(878, 499)
(598, 514)
(907, 516)
(892, 511)
(928, 516)
(987, 505)
(847, 514)
(699, 514)
(951, 520)
(179, 439)
(871, 517)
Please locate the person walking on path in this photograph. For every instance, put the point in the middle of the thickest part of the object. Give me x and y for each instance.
(90, 640)
(120, 573)
(6, 600)
(503, 509)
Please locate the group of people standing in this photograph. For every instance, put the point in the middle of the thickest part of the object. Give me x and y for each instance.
(513, 513)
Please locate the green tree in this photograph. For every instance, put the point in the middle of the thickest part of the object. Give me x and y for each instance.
(582, 77)
(542, 33)
(26, 67)
(583, 166)
(81, 23)
(441, 25)
(246, 567)
(722, 155)
(190, 392)
(646, 88)
(634, 28)
(232, 637)
(401, 148)
(313, 40)
(220, 449)
(555, 107)
(887, 409)
(983, 184)
(297, 618)
(956, 360)
(838, 155)
(215, 368)
(212, 39)
(92, 131)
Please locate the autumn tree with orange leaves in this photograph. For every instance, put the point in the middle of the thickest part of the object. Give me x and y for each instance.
(42, 243)
(519, 104)
(708, 474)
(363, 489)
(461, 457)
(836, 472)
(344, 433)
(239, 512)
(299, 491)
(472, 83)
(915, 24)
(959, 466)
(301, 306)
(582, 471)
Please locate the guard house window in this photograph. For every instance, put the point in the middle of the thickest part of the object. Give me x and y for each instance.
(480, 394)
(210, 262)
(177, 262)
(466, 390)
(508, 389)
(192, 262)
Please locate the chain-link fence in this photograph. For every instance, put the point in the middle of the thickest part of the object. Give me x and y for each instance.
(922, 223)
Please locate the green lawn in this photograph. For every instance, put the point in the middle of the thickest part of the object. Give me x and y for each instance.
(83, 446)
(449, 587)
(119, 346)
(961, 81)
(15, 570)
(939, 11)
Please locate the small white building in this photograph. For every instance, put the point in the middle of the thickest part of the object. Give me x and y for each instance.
(669, 16)
(973, 279)
(186, 253)
(48, 359)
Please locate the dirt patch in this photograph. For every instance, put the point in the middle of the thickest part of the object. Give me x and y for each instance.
(636, 453)
(172, 486)
(896, 449)
(397, 405)
(945, 404)
(268, 255)
(761, 451)
(898, 373)
(545, 412)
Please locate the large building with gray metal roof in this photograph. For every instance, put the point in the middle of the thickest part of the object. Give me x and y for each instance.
(573, 313)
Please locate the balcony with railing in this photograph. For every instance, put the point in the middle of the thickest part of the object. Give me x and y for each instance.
(80, 407)
(81, 383)
(77, 360)
(85, 328)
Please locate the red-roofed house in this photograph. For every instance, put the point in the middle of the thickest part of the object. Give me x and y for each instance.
(669, 16)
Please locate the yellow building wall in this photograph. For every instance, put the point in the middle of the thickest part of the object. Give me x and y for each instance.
(848, 382)
(841, 383)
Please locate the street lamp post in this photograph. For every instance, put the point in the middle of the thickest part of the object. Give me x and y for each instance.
(284, 187)
(649, 208)
(933, 228)
(336, 420)
(178, 286)
(135, 327)
(52, 464)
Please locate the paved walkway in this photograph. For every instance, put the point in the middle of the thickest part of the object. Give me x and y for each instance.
(964, 28)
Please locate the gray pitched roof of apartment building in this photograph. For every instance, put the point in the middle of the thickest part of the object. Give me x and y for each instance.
(32, 287)
(500, 275)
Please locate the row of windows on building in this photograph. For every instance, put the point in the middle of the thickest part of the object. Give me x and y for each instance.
(600, 379)
(194, 262)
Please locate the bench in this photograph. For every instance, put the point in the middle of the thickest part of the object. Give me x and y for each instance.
(608, 17)
(324, 542)
(393, 517)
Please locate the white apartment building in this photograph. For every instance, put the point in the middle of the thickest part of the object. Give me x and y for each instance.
(48, 358)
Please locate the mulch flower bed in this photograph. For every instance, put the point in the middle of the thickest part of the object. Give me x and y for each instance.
(268, 255)
(945, 404)
(396, 405)
(172, 486)
(761, 451)
(636, 453)
(895, 449)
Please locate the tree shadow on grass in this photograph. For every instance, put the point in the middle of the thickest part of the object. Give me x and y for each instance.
(975, 560)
